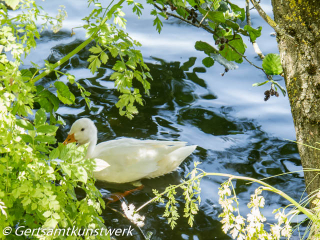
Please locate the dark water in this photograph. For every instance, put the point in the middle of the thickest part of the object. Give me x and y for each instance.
(235, 130)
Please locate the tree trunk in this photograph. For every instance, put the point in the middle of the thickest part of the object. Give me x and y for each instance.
(300, 57)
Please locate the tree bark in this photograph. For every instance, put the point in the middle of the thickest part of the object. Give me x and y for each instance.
(299, 49)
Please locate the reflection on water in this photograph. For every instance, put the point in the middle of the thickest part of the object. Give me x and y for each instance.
(182, 107)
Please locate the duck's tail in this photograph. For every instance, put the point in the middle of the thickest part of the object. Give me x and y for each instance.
(172, 161)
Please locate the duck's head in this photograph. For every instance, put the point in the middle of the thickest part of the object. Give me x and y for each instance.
(82, 131)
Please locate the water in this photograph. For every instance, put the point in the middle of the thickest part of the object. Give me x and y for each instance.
(235, 130)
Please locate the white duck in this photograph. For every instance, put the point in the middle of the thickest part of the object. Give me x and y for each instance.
(129, 159)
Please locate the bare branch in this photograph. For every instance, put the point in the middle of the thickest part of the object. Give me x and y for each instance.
(266, 17)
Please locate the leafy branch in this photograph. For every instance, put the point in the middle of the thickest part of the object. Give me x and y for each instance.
(82, 45)
(199, 24)
(170, 191)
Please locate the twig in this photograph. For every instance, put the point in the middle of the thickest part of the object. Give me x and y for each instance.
(248, 12)
(212, 32)
(266, 17)
(254, 43)
(253, 7)
(77, 49)
(206, 14)
(176, 16)
(243, 56)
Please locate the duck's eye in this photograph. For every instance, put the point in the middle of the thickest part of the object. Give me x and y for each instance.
(82, 129)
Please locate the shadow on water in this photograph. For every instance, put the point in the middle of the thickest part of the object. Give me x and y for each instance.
(180, 107)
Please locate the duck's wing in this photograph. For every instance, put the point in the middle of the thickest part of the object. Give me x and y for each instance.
(171, 161)
(132, 159)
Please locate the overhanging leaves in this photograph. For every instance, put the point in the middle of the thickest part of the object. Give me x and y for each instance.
(206, 47)
(253, 33)
(234, 50)
(272, 64)
(208, 62)
(64, 93)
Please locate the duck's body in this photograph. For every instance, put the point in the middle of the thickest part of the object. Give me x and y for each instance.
(129, 159)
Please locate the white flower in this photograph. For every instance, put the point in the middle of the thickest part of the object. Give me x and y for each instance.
(132, 215)
(2, 207)
(90, 202)
(224, 190)
(21, 175)
(226, 227)
(239, 220)
(234, 232)
(280, 216)
(251, 230)
(286, 231)
(241, 237)
(275, 229)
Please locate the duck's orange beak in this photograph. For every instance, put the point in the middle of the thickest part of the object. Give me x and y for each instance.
(69, 139)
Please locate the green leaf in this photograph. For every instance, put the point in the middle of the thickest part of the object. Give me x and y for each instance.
(94, 65)
(114, 51)
(12, 3)
(182, 12)
(33, 206)
(157, 22)
(66, 169)
(113, 9)
(216, 4)
(231, 55)
(45, 139)
(47, 214)
(206, 47)
(26, 138)
(54, 153)
(119, 66)
(223, 6)
(45, 104)
(217, 17)
(208, 62)
(46, 94)
(253, 33)
(95, 49)
(82, 175)
(192, 2)
(64, 93)
(47, 129)
(104, 57)
(50, 223)
(25, 124)
(232, 24)
(236, 9)
(26, 74)
(40, 117)
(71, 78)
(272, 64)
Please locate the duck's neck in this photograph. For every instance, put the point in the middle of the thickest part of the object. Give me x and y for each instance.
(91, 147)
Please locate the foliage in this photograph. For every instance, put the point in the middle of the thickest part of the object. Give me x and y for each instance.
(221, 18)
(113, 41)
(191, 191)
(251, 227)
(38, 191)
(35, 189)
